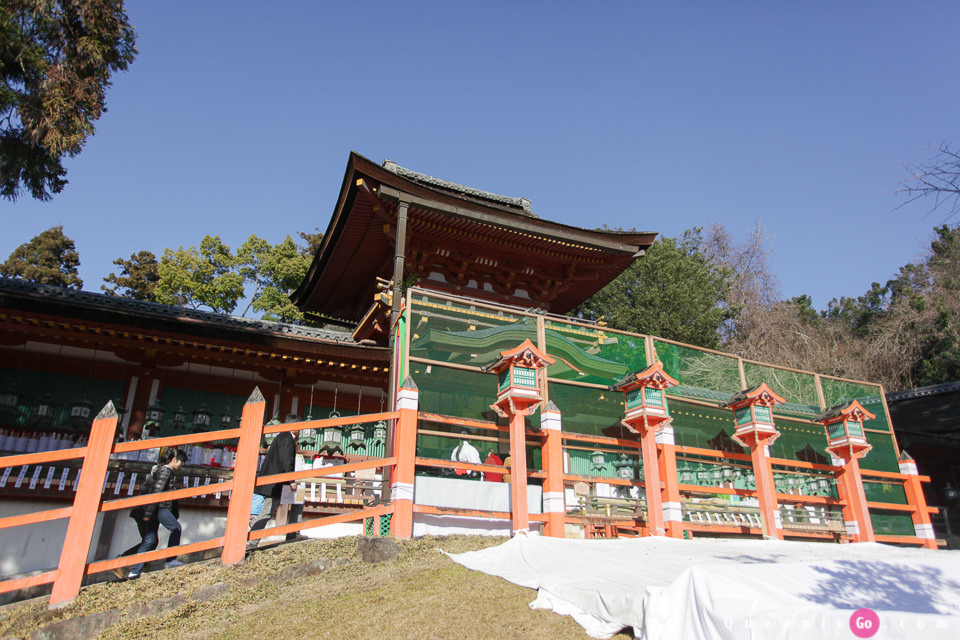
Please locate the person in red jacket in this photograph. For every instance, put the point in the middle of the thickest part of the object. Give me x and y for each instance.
(493, 458)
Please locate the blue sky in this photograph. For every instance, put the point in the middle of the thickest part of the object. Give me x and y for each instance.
(237, 119)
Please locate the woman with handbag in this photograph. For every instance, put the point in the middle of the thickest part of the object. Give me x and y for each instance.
(164, 512)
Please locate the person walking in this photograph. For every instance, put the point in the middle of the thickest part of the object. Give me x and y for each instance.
(165, 512)
(281, 458)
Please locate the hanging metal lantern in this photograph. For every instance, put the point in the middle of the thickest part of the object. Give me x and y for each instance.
(380, 432)
(81, 413)
(42, 413)
(332, 437)
(332, 440)
(703, 475)
(824, 484)
(179, 420)
(10, 404)
(154, 417)
(308, 437)
(950, 494)
(598, 459)
(121, 410)
(269, 437)
(226, 419)
(202, 417)
(358, 436)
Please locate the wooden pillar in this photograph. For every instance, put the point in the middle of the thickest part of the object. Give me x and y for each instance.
(554, 502)
(670, 497)
(141, 400)
(856, 514)
(244, 478)
(520, 519)
(405, 449)
(766, 490)
(922, 525)
(651, 480)
(86, 504)
(399, 256)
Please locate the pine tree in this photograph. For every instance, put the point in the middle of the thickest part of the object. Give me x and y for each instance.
(49, 258)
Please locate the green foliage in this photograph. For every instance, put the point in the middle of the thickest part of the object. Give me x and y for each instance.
(805, 310)
(214, 277)
(194, 278)
(275, 271)
(674, 292)
(49, 258)
(138, 277)
(56, 60)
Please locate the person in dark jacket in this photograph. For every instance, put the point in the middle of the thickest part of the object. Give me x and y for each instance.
(281, 458)
(164, 512)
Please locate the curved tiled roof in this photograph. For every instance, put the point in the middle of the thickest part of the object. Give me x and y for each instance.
(141, 307)
(457, 239)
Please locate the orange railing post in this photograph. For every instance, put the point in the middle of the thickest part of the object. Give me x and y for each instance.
(86, 504)
(766, 491)
(405, 450)
(244, 478)
(667, 466)
(856, 514)
(554, 503)
(651, 480)
(922, 525)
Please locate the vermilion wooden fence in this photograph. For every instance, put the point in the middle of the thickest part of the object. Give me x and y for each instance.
(88, 502)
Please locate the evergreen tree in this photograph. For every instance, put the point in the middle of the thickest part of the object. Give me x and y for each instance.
(49, 258)
(138, 277)
(56, 60)
(673, 292)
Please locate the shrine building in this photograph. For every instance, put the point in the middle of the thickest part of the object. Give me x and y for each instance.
(455, 298)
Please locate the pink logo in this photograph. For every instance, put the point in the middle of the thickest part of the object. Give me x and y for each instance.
(864, 623)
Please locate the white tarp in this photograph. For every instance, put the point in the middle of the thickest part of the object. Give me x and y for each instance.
(668, 589)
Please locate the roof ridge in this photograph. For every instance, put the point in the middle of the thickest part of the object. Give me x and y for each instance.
(410, 174)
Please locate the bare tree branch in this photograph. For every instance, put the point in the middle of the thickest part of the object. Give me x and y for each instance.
(938, 178)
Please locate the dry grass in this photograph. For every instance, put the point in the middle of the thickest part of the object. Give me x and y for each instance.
(420, 594)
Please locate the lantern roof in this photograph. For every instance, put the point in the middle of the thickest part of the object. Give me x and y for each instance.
(839, 412)
(653, 376)
(525, 354)
(760, 394)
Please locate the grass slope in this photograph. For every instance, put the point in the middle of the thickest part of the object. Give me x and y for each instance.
(420, 594)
